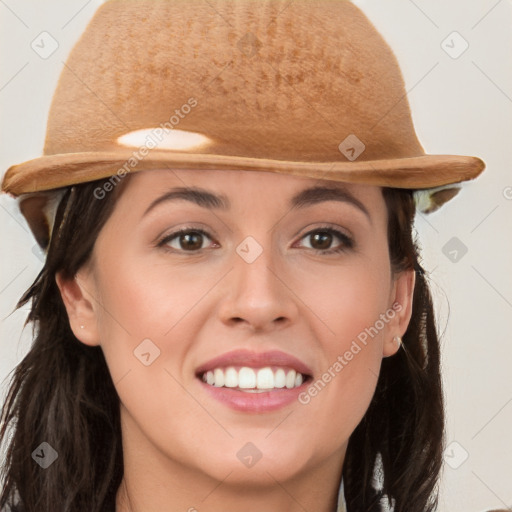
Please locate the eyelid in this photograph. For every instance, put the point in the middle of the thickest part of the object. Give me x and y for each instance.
(346, 238)
(325, 226)
(177, 228)
(163, 240)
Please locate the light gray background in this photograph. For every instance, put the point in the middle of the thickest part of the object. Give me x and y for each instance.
(460, 106)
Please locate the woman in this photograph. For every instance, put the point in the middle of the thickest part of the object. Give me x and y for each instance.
(245, 324)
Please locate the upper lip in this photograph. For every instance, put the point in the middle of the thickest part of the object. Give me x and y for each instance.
(244, 357)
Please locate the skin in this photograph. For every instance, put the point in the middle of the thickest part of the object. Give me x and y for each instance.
(179, 444)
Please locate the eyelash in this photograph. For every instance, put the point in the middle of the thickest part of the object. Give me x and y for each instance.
(347, 242)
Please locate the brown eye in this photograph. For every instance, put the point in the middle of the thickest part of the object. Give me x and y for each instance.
(186, 240)
(321, 240)
(191, 241)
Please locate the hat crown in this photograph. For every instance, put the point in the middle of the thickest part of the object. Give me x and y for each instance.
(269, 79)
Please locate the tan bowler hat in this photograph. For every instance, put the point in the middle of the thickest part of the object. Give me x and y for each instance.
(307, 88)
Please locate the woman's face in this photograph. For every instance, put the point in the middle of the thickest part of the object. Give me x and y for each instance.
(268, 275)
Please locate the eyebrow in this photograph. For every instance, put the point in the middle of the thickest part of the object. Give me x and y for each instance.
(196, 195)
(304, 198)
(315, 195)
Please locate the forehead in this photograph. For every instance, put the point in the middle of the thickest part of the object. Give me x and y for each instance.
(246, 196)
(239, 183)
(252, 199)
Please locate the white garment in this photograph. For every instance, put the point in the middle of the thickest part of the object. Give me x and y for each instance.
(342, 505)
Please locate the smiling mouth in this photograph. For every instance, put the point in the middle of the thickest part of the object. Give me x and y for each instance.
(254, 380)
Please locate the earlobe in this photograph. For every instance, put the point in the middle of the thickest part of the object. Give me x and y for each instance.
(80, 308)
(402, 303)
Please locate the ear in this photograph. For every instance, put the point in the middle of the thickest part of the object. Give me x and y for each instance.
(401, 303)
(79, 304)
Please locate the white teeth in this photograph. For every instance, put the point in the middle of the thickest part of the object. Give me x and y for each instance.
(219, 377)
(290, 379)
(252, 380)
(265, 379)
(280, 379)
(246, 378)
(231, 378)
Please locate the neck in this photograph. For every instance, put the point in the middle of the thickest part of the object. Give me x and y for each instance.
(153, 482)
(222, 497)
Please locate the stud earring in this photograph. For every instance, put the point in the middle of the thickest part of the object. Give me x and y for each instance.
(398, 339)
(82, 327)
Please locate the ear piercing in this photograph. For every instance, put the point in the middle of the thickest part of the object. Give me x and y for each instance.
(82, 327)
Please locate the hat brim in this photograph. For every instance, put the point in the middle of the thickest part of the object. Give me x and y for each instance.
(61, 170)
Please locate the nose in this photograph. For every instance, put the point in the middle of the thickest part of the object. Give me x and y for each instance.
(257, 296)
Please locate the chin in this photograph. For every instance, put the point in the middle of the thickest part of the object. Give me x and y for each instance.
(256, 463)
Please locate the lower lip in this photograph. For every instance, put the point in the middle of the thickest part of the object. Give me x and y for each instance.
(255, 402)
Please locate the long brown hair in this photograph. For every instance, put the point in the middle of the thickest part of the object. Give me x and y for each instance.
(403, 428)
(62, 392)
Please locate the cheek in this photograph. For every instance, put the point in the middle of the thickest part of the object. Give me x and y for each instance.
(148, 308)
(145, 336)
(353, 306)
(144, 300)
(346, 299)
